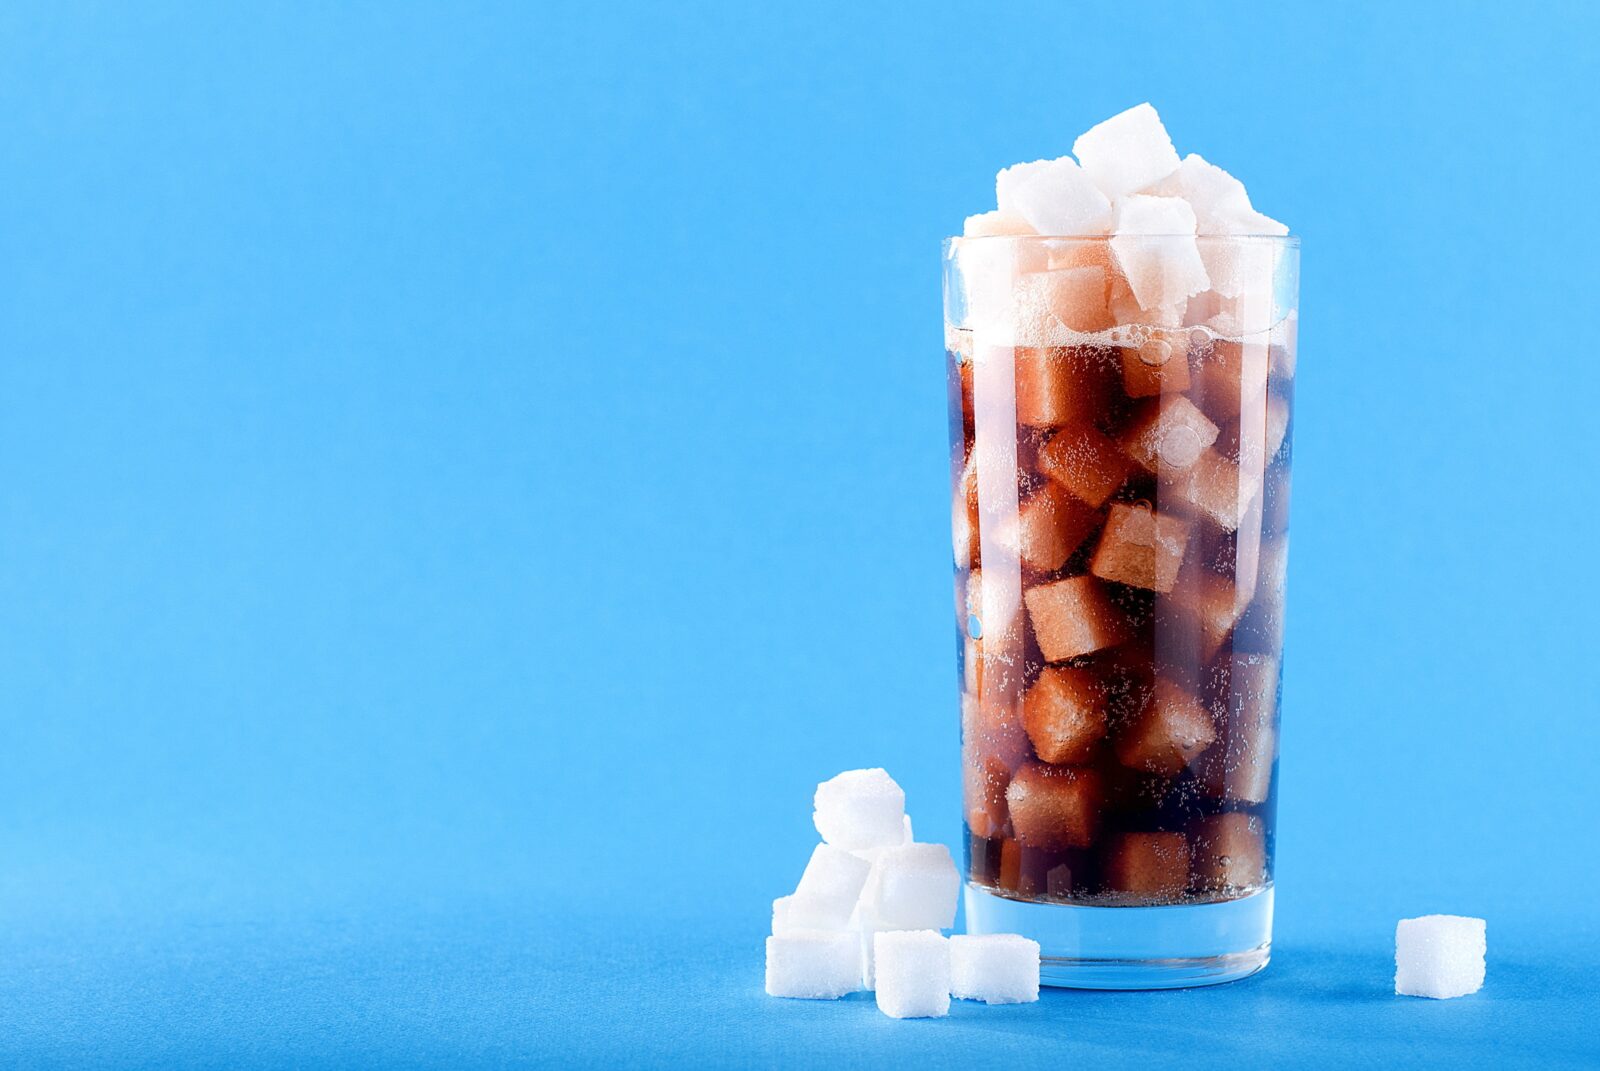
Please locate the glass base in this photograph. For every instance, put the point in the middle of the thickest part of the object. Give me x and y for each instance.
(1166, 947)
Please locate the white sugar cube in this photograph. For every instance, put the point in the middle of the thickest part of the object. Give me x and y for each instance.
(912, 887)
(996, 968)
(1216, 196)
(1054, 197)
(992, 224)
(792, 913)
(832, 883)
(813, 964)
(860, 809)
(1161, 271)
(913, 974)
(1439, 956)
(1127, 153)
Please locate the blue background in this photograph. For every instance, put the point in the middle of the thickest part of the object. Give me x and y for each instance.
(469, 470)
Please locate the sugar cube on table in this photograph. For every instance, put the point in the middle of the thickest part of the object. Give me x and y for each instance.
(833, 880)
(996, 968)
(860, 809)
(1153, 241)
(1074, 617)
(1149, 864)
(1064, 714)
(1141, 548)
(813, 964)
(1439, 956)
(1128, 152)
(1168, 732)
(912, 974)
(912, 887)
(1054, 197)
(794, 913)
(1054, 807)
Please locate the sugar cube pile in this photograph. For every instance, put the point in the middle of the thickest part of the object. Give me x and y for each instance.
(1439, 956)
(868, 912)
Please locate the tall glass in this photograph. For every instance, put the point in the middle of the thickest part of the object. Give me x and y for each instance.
(1120, 470)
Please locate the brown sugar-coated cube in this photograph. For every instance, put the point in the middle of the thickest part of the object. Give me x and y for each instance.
(1049, 527)
(1058, 385)
(1140, 548)
(1064, 714)
(1157, 364)
(1152, 865)
(1216, 488)
(1074, 617)
(1230, 852)
(1171, 730)
(1230, 377)
(1166, 434)
(1054, 807)
(1085, 462)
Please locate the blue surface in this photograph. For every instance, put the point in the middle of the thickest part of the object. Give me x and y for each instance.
(466, 472)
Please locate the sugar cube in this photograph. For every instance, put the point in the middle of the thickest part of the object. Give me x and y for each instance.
(1058, 385)
(1171, 728)
(860, 809)
(1141, 548)
(1155, 248)
(813, 964)
(1073, 617)
(1229, 851)
(1128, 152)
(1085, 462)
(912, 887)
(1158, 362)
(1054, 196)
(832, 880)
(996, 968)
(1050, 525)
(1439, 956)
(1149, 865)
(1216, 487)
(912, 973)
(1216, 196)
(1074, 299)
(1054, 807)
(1167, 433)
(1064, 714)
(994, 224)
(791, 913)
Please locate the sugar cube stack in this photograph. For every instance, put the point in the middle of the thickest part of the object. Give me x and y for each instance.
(1439, 956)
(868, 911)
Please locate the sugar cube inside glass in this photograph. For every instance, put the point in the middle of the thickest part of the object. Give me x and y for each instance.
(860, 809)
(912, 969)
(813, 964)
(1439, 956)
(996, 968)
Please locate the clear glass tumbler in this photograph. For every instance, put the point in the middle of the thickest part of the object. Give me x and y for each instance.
(1120, 469)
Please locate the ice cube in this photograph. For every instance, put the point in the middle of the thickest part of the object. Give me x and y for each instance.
(1074, 617)
(1141, 548)
(1171, 729)
(1055, 807)
(1439, 956)
(994, 224)
(860, 809)
(792, 913)
(1229, 852)
(1167, 433)
(912, 974)
(1158, 363)
(1149, 865)
(1055, 197)
(1085, 462)
(996, 968)
(1128, 152)
(813, 964)
(1154, 244)
(1064, 714)
(1049, 527)
(832, 881)
(912, 887)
